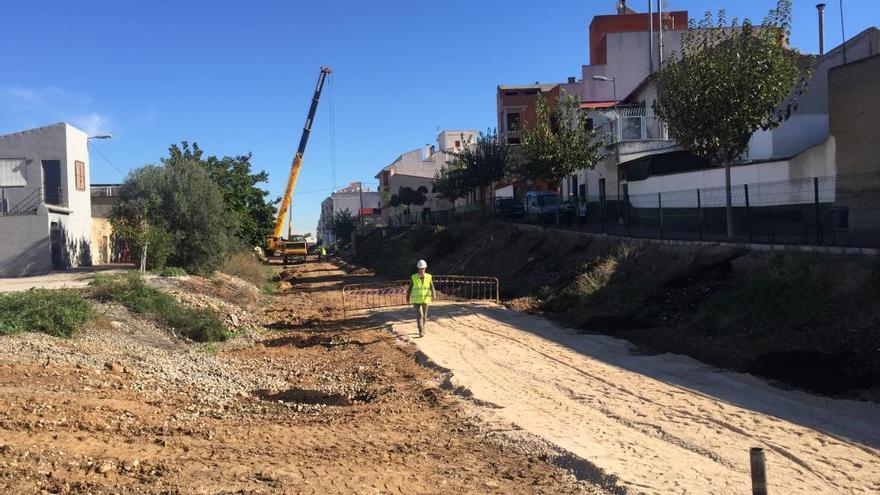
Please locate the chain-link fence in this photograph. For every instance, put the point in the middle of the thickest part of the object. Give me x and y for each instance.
(841, 210)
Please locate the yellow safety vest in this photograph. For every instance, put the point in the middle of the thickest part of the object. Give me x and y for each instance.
(421, 289)
(323, 251)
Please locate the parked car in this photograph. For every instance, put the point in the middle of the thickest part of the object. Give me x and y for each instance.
(541, 206)
(507, 208)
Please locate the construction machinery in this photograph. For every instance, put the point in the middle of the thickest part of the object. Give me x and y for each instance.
(295, 247)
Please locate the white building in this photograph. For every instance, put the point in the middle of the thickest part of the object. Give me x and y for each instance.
(45, 204)
(363, 204)
(643, 161)
(416, 171)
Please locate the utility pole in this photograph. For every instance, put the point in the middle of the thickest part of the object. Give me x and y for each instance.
(361, 209)
(650, 37)
(660, 33)
(842, 32)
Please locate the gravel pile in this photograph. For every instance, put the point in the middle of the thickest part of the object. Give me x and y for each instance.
(156, 360)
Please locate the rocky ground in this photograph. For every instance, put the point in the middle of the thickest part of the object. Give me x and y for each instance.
(301, 401)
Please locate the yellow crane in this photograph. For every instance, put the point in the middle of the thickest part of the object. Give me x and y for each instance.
(295, 247)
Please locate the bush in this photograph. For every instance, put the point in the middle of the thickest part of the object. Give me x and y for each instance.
(133, 292)
(245, 266)
(56, 312)
(172, 271)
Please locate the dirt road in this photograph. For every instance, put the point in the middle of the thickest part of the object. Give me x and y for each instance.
(648, 424)
(313, 404)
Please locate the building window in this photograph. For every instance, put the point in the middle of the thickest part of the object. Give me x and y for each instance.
(531, 92)
(513, 140)
(510, 93)
(13, 172)
(80, 170)
(512, 121)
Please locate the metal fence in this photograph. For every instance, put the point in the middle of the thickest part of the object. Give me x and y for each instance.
(393, 293)
(841, 210)
(20, 200)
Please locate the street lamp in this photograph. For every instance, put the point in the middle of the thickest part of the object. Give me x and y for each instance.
(102, 136)
(613, 84)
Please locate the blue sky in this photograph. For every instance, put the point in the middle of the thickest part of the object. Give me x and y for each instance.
(238, 76)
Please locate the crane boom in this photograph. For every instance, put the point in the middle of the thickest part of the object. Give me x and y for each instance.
(274, 240)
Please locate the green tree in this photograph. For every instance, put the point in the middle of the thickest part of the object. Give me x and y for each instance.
(179, 206)
(475, 167)
(248, 204)
(558, 143)
(451, 182)
(133, 219)
(407, 196)
(343, 225)
(729, 81)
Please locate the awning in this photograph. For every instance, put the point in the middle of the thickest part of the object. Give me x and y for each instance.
(598, 104)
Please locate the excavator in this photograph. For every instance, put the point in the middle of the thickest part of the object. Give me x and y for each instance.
(294, 247)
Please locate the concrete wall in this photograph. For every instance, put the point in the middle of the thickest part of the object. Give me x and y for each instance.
(854, 101)
(817, 161)
(35, 145)
(603, 25)
(66, 144)
(854, 97)
(79, 220)
(446, 140)
(627, 62)
(24, 246)
(809, 125)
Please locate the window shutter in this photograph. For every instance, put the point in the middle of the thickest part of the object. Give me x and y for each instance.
(13, 172)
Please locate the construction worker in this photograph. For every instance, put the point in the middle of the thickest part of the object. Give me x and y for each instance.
(420, 294)
(323, 253)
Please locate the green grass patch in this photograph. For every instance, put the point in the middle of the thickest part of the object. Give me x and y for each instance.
(133, 292)
(56, 312)
(172, 271)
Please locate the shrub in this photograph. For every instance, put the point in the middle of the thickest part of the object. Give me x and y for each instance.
(132, 291)
(245, 266)
(172, 271)
(56, 312)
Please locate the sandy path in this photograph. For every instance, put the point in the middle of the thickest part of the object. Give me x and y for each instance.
(658, 424)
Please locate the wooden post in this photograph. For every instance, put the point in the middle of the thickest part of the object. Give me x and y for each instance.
(660, 209)
(759, 471)
(699, 217)
(748, 212)
(818, 215)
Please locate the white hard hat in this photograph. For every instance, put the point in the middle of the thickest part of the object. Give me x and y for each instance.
(422, 264)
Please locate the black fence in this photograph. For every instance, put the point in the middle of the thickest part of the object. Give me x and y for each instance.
(821, 211)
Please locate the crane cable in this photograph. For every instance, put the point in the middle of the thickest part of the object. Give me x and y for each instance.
(332, 133)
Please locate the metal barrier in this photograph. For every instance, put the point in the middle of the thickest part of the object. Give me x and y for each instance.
(447, 288)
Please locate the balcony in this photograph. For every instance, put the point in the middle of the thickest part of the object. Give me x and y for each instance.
(104, 190)
(635, 131)
(635, 123)
(26, 200)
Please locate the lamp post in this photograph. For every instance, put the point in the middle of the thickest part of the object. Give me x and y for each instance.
(613, 84)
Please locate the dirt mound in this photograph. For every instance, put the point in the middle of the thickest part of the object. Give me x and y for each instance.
(723, 305)
(234, 300)
(324, 412)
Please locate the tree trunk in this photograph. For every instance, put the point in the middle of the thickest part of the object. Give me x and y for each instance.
(144, 258)
(728, 200)
(558, 201)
